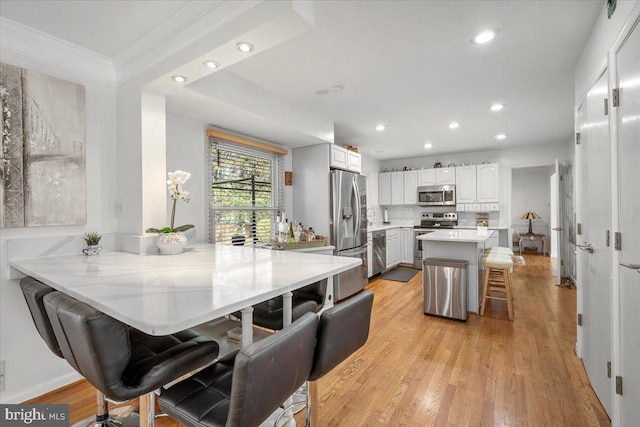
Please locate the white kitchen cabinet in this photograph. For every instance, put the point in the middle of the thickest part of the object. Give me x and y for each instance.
(407, 245)
(466, 184)
(397, 188)
(437, 176)
(384, 188)
(488, 183)
(369, 255)
(426, 177)
(341, 158)
(495, 207)
(410, 187)
(394, 253)
(445, 176)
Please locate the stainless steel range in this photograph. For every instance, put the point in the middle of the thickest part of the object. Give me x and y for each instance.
(429, 222)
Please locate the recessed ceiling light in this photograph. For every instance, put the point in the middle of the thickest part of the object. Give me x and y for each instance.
(379, 151)
(454, 125)
(336, 88)
(496, 107)
(179, 79)
(244, 47)
(322, 92)
(501, 136)
(211, 64)
(484, 37)
(428, 146)
(380, 127)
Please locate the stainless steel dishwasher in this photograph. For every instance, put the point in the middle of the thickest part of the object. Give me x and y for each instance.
(444, 284)
(379, 251)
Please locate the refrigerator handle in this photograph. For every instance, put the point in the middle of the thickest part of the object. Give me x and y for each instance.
(358, 215)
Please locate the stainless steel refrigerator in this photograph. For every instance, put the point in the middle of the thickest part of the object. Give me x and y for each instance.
(348, 225)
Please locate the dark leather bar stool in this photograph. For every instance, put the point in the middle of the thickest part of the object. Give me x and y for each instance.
(342, 330)
(243, 388)
(119, 361)
(269, 314)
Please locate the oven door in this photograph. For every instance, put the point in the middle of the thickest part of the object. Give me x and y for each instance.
(417, 252)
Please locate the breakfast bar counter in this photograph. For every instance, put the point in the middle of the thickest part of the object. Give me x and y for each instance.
(464, 245)
(165, 294)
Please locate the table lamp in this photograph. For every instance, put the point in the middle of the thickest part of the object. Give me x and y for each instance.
(530, 215)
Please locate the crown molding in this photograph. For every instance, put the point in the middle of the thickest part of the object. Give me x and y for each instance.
(28, 43)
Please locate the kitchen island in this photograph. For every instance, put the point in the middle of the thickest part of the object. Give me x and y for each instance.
(460, 244)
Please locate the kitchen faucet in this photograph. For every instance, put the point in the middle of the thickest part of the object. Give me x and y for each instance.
(373, 213)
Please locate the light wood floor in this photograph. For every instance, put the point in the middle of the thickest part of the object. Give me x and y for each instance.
(418, 370)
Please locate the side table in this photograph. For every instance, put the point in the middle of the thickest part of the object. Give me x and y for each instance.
(531, 238)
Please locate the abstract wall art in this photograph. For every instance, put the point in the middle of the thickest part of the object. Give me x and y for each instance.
(42, 158)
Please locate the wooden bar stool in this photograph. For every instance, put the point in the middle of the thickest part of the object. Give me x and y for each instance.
(497, 281)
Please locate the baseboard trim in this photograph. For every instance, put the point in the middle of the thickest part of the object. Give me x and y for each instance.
(41, 389)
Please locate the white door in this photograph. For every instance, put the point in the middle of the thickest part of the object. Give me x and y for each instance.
(466, 184)
(397, 188)
(410, 187)
(594, 259)
(553, 219)
(559, 234)
(384, 189)
(628, 146)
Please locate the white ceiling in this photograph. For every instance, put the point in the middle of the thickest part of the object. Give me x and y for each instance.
(408, 65)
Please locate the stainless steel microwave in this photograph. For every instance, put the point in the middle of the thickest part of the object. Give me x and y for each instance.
(438, 195)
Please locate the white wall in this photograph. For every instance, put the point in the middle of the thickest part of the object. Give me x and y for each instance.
(594, 54)
(186, 150)
(31, 368)
(371, 168)
(531, 192)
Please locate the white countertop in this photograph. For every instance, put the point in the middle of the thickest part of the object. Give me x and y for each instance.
(164, 294)
(457, 235)
(378, 227)
(473, 227)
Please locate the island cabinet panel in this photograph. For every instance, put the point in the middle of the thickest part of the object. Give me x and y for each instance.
(384, 188)
(394, 252)
(407, 245)
(397, 188)
(466, 184)
(410, 187)
(488, 183)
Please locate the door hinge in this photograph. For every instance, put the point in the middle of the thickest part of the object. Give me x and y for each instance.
(606, 107)
(608, 239)
(577, 138)
(615, 102)
(579, 229)
(561, 262)
(608, 369)
(619, 385)
(617, 241)
(579, 319)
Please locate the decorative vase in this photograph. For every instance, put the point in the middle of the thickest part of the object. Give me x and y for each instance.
(171, 243)
(92, 250)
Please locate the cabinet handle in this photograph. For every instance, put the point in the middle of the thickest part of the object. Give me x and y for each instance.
(635, 267)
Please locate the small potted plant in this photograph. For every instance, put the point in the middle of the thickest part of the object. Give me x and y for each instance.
(92, 238)
(171, 240)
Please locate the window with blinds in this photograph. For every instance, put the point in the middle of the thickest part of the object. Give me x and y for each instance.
(247, 192)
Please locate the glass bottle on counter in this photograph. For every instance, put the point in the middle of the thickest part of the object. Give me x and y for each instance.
(290, 234)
